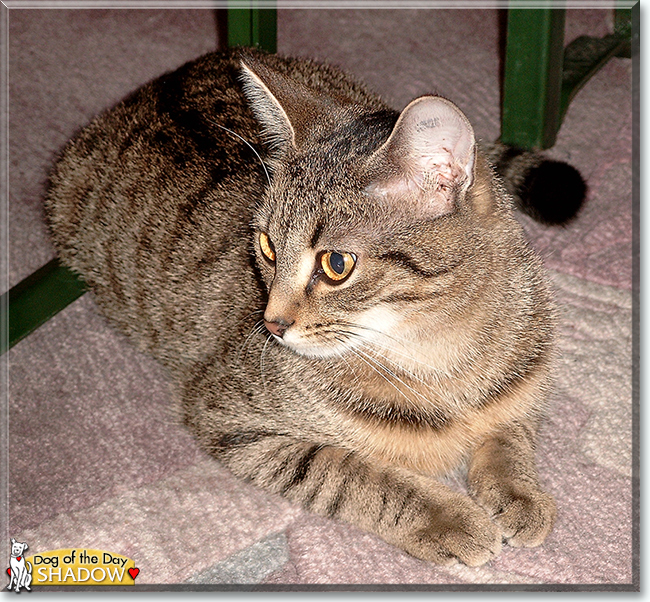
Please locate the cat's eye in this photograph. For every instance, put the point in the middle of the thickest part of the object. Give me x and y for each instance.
(267, 246)
(337, 266)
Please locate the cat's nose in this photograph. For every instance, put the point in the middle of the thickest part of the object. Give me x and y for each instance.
(277, 327)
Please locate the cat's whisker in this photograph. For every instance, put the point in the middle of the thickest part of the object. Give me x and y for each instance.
(258, 328)
(410, 373)
(262, 373)
(368, 328)
(250, 315)
(431, 370)
(230, 315)
(401, 342)
(341, 355)
(371, 346)
(388, 380)
(396, 377)
(266, 173)
(373, 363)
(425, 399)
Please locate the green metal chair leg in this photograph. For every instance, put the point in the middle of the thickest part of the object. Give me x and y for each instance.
(253, 27)
(623, 28)
(541, 77)
(37, 298)
(532, 77)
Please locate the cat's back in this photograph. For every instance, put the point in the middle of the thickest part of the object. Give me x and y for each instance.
(149, 153)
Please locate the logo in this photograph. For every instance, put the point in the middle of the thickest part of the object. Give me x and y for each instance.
(20, 571)
(69, 567)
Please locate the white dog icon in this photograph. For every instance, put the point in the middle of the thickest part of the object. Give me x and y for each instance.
(21, 576)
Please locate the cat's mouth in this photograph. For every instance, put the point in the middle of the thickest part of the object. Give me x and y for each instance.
(341, 337)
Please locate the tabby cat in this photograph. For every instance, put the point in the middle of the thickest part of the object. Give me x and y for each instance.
(344, 302)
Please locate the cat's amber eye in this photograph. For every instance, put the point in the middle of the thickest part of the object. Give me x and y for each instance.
(267, 246)
(337, 266)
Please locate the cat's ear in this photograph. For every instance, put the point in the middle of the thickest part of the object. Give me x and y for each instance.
(285, 108)
(428, 158)
(276, 126)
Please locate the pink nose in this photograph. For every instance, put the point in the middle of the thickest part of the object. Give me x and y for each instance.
(278, 328)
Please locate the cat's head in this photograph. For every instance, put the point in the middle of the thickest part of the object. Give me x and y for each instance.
(364, 233)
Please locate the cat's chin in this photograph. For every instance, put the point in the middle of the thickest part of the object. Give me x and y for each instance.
(300, 346)
(313, 351)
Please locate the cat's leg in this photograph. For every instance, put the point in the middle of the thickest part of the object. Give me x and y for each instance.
(502, 477)
(416, 513)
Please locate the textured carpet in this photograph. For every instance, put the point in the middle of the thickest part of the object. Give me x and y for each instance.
(97, 457)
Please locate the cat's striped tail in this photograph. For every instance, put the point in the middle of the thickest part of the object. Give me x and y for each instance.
(551, 192)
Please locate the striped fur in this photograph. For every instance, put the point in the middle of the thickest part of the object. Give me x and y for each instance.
(434, 352)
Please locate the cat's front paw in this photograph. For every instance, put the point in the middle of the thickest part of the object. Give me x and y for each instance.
(525, 514)
(461, 532)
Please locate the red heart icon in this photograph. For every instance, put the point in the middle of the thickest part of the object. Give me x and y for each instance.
(18, 558)
(9, 572)
(134, 573)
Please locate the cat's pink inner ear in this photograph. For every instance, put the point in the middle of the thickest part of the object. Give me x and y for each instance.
(429, 155)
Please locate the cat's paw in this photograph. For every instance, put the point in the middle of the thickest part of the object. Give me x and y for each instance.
(462, 532)
(525, 515)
